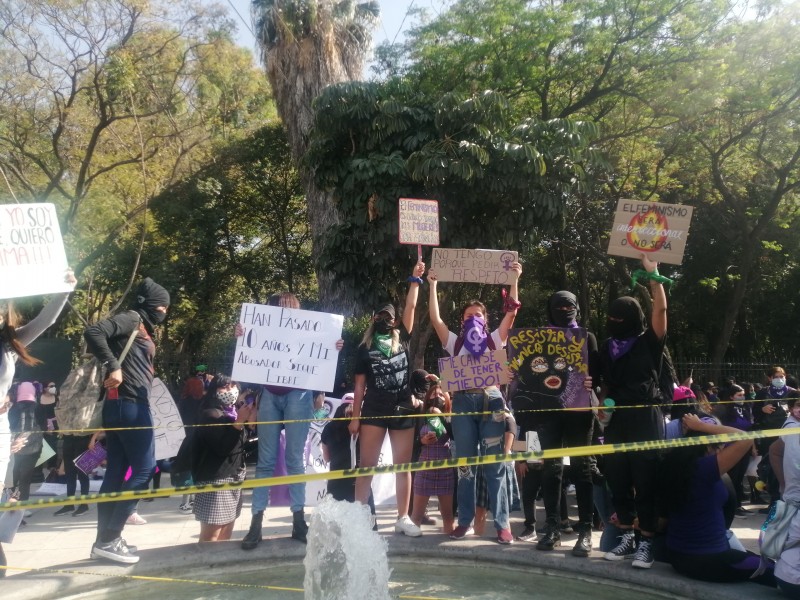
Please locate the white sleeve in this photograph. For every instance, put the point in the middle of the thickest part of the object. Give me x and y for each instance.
(450, 346)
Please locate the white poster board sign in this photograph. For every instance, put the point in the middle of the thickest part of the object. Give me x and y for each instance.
(287, 347)
(32, 257)
(418, 222)
(167, 423)
(476, 266)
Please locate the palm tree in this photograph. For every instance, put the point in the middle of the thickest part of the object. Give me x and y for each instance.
(306, 46)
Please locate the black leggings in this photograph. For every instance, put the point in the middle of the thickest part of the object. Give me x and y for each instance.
(632, 476)
(24, 467)
(74, 446)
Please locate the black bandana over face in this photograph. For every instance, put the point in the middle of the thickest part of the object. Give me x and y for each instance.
(149, 296)
(562, 309)
(632, 323)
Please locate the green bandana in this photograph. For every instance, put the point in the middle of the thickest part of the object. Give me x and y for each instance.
(384, 343)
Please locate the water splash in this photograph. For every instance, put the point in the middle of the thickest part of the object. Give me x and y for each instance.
(345, 559)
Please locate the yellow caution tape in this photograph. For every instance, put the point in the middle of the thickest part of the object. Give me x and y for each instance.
(404, 468)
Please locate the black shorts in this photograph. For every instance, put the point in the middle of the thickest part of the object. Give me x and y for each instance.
(388, 411)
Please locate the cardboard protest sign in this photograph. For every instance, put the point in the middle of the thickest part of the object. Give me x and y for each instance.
(477, 266)
(465, 371)
(32, 257)
(550, 363)
(167, 423)
(418, 221)
(287, 347)
(656, 229)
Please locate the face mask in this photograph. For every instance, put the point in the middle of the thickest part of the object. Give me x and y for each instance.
(383, 326)
(751, 396)
(157, 317)
(778, 382)
(474, 331)
(51, 390)
(228, 397)
(438, 403)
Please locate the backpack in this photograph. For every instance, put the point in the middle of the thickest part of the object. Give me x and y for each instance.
(80, 403)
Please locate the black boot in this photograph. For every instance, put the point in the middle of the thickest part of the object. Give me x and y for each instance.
(550, 539)
(583, 547)
(253, 537)
(299, 526)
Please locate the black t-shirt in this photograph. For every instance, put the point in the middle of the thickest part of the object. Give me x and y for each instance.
(385, 375)
(633, 377)
(218, 451)
(336, 437)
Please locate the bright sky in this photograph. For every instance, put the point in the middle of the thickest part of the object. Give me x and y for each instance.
(392, 25)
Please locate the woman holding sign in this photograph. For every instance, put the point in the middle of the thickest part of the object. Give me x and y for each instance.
(475, 433)
(631, 360)
(382, 393)
(14, 340)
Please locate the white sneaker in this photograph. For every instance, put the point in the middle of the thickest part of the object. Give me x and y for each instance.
(406, 526)
(135, 519)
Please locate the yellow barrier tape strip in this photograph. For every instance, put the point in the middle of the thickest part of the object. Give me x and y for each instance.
(152, 579)
(404, 468)
(360, 418)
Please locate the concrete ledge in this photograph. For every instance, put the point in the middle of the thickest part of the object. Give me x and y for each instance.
(195, 561)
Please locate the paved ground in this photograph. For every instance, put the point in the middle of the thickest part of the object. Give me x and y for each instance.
(169, 537)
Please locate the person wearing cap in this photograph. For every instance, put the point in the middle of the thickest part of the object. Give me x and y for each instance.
(130, 441)
(476, 433)
(384, 400)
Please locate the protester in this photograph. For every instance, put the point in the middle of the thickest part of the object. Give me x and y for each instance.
(541, 406)
(276, 405)
(27, 425)
(14, 340)
(785, 458)
(435, 440)
(476, 434)
(384, 400)
(631, 359)
(126, 411)
(218, 458)
(698, 543)
(733, 412)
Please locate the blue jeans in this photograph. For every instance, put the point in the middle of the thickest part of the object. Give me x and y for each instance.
(471, 433)
(134, 448)
(297, 404)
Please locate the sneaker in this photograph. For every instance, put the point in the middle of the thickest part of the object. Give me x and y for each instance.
(643, 559)
(81, 510)
(460, 532)
(186, 508)
(64, 510)
(567, 526)
(115, 550)
(504, 537)
(742, 512)
(135, 519)
(407, 527)
(551, 539)
(625, 549)
(528, 534)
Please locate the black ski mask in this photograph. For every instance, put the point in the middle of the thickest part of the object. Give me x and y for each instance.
(630, 318)
(563, 309)
(149, 296)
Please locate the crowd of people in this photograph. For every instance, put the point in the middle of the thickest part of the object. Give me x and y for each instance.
(675, 506)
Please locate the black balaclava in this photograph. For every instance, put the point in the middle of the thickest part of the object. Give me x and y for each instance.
(419, 383)
(633, 322)
(149, 296)
(562, 318)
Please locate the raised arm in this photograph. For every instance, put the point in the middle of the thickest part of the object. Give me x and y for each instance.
(730, 455)
(433, 306)
(658, 318)
(411, 298)
(508, 320)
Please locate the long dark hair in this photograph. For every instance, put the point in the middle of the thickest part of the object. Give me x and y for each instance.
(8, 335)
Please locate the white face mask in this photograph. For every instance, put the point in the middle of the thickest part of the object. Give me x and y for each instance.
(778, 382)
(228, 397)
(51, 390)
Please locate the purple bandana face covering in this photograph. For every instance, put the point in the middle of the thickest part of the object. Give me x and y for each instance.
(474, 330)
(619, 348)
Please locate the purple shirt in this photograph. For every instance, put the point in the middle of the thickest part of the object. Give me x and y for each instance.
(699, 526)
